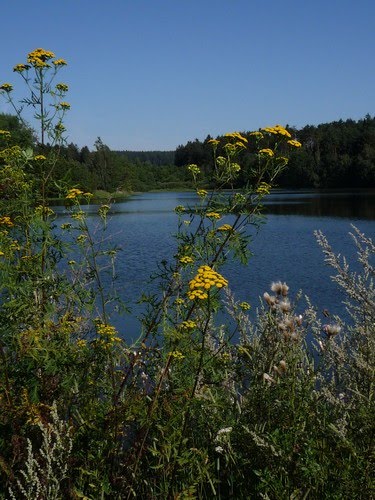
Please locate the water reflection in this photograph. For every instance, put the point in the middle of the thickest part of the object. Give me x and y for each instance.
(358, 204)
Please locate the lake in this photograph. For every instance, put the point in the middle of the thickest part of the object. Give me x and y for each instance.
(283, 249)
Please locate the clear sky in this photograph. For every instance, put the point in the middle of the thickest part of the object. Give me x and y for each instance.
(153, 74)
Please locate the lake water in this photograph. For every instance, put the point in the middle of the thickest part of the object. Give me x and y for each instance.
(283, 249)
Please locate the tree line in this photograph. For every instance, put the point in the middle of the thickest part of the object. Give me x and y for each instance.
(333, 155)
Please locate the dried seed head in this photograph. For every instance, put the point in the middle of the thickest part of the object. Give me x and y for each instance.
(332, 330)
(298, 320)
(282, 366)
(284, 306)
(271, 301)
(276, 287)
(268, 378)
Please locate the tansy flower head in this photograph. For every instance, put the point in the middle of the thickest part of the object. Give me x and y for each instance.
(73, 194)
(63, 87)
(205, 279)
(19, 68)
(267, 152)
(64, 105)
(213, 215)
(201, 192)
(295, 143)
(7, 87)
(186, 259)
(39, 158)
(60, 62)
(237, 136)
(225, 227)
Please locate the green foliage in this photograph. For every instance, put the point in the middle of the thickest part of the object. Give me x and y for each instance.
(185, 412)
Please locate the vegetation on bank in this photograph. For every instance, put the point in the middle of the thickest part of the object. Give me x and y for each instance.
(186, 412)
(333, 155)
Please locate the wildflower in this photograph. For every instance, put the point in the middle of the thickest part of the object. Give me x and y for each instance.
(64, 105)
(40, 158)
(202, 193)
(269, 379)
(63, 87)
(245, 306)
(179, 301)
(271, 300)
(188, 325)
(295, 143)
(176, 354)
(205, 279)
(186, 259)
(213, 215)
(264, 188)
(103, 210)
(225, 430)
(5, 134)
(277, 130)
(179, 209)
(332, 330)
(6, 221)
(214, 142)
(60, 62)
(71, 262)
(19, 68)
(225, 227)
(258, 135)
(280, 288)
(284, 306)
(194, 169)
(238, 136)
(7, 87)
(66, 225)
(107, 332)
(81, 238)
(81, 343)
(267, 152)
(73, 194)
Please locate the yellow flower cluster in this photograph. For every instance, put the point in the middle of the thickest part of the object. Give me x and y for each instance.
(63, 87)
(202, 192)
(19, 68)
(73, 194)
(188, 325)
(39, 57)
(60, 62)
(40, 158)
(107, 332)
(258, 135)
(237, 136)
(277, 130)
(205, 279)
(266, 151)
(225, 227)
(264, 188)
(176, 355)
(79, 215)
(64, 105)
(179, 209)
(179, 301)
(6, 221)
(186, 259)
(213, 215)
(245, 306)
(295, 143)
(5, 134)
(81, 343)
(214, 142)
(7, 87)
(194, 169)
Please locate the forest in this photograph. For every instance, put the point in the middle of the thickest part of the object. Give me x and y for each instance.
(333, 155)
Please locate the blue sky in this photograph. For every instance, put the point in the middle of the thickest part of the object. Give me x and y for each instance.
(153, 74)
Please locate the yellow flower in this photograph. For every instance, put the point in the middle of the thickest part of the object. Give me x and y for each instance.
(266, 151)
(6, 221)
(188, 325)
(277, 130)
(176, 355)
(64, 105)
(63, 87)
(60, 62)
(194, 169)
(7, 87)
(73, 194)
(225, 227)
(264, 188)
(19, 68)
(40, 158)
(202, 193)
(295, 143)
(245, 306)
(186, 259)
(258, 135)
(213, 215)
(179, 209)
(214, 142)
(81, 343)
(238, 136)
(5, 134)
(205, 279)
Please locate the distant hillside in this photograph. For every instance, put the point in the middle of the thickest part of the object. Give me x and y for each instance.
(158, 158)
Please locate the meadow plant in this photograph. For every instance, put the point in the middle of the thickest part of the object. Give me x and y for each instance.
(207, 403)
